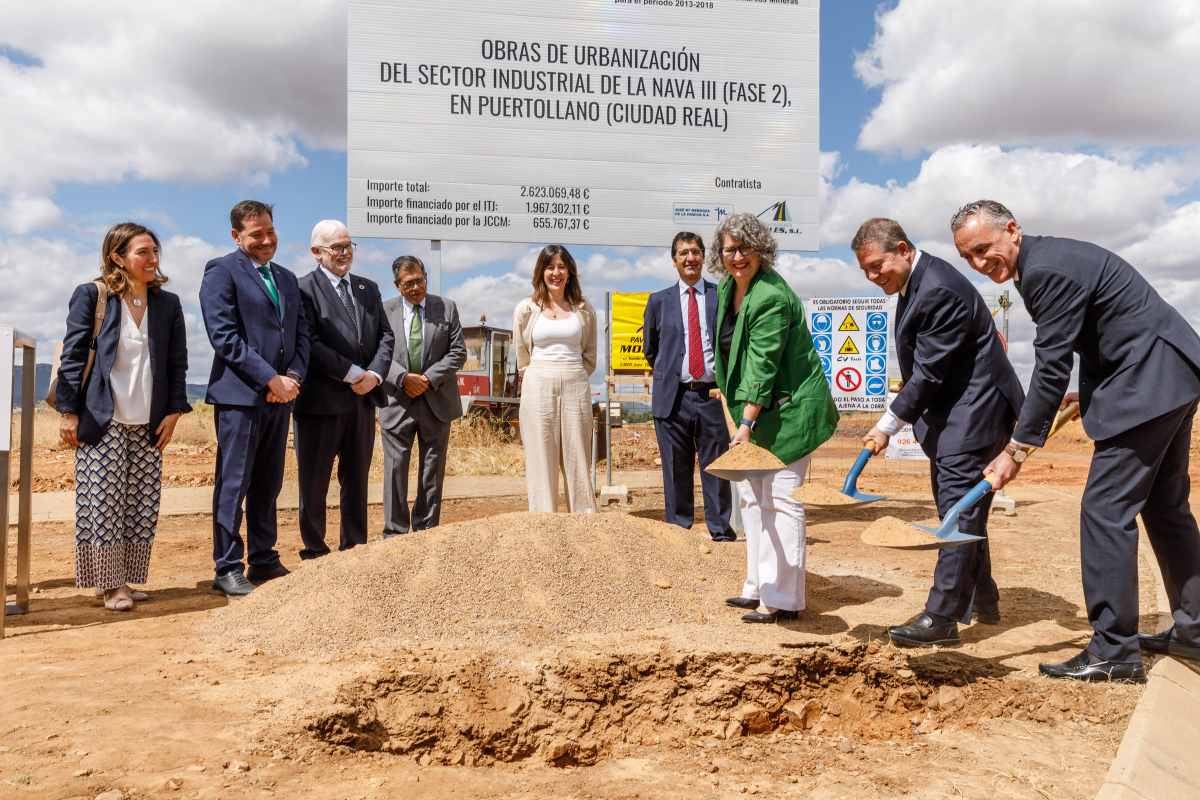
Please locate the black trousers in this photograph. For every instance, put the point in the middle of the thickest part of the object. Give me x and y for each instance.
(350, 438)
(432, 437)
(696, 426)
(251, 443)
(1141, 471)
(963, 575)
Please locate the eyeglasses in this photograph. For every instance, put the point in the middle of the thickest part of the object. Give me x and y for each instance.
(412, 283)
(744, 250)
(339, 249)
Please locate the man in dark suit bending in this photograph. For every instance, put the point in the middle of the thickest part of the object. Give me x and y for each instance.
(678, 329)
(422, 389)
(259, 335)
(335, 413)
(961, 396)
(1138, 389)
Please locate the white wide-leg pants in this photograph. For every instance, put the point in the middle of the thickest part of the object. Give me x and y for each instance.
(775, 537)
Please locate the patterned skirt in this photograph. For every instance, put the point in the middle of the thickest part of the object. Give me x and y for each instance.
(117, 488)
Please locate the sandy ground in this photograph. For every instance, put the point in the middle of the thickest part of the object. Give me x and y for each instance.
(147, 704)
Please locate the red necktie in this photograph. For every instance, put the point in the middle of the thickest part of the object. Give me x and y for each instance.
(695, 346)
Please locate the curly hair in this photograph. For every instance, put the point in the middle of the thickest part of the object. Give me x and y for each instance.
(749, 230)
(116, 241)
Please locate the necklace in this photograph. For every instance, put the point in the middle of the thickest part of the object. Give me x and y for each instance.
(137, 301)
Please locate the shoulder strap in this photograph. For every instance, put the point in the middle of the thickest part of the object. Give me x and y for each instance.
(101, 308)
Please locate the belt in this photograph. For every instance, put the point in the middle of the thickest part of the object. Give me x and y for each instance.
(698, 386)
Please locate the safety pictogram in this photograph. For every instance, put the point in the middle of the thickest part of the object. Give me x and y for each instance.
(848, 348)
(848, 379)
(848, 324)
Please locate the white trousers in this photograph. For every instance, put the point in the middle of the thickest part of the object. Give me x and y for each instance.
(775, 537)
(556, 429)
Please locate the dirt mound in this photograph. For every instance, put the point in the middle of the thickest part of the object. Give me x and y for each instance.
(508, 578)
(568, 708)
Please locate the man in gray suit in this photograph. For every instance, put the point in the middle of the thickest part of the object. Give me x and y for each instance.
(422, 386)
(1138, 390)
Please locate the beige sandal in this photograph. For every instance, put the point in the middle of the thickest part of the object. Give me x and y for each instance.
(116, 600)
(134, 594)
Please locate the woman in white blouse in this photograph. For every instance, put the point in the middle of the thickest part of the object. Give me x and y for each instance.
(120, 395)
(555, 335)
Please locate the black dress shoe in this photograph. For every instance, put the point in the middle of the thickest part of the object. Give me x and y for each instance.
(233, 584)
(727, 536)
(778, 615)
(260, 575)
(309, 555)
(1166, 644)
(393, 534)
(1087, 667)
(986, 615)
(742, 602)
(923, 631)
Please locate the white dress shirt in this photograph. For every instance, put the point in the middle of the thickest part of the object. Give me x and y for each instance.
(889, 423)
(685, 373)
(355, 372)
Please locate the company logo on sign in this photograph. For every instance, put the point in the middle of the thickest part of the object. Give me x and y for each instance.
(690, 212)
(778, 219)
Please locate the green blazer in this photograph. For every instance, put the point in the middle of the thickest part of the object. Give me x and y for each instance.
(772, 363)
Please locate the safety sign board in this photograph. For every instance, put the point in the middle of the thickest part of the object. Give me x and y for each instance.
(850, 335)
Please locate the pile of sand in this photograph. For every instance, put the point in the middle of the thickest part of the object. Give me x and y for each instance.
(746, 456)
(511, 578)
(820, 495)
(900, 535)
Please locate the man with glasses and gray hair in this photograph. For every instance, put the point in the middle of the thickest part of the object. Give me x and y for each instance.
(351, 348)
(1139, 383)
(422, 387)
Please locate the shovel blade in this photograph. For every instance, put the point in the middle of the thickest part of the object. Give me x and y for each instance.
(863, 497)
(949, 538)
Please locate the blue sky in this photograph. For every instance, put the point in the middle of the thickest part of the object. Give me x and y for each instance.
(163, 114)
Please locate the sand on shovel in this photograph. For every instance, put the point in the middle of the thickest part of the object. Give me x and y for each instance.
(818, 495)
(747, 456)
(897, 534)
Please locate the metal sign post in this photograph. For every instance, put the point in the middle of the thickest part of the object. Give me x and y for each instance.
(10, 340)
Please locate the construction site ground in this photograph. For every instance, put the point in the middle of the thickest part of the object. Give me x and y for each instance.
(153, 704)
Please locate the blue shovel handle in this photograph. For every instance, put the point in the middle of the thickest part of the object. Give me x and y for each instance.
(850, 487)
(949, 526)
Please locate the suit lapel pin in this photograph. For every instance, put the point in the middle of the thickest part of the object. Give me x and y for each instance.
(362, 286)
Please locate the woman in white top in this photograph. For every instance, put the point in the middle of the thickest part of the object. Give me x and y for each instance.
(120, 395)
(555, 335)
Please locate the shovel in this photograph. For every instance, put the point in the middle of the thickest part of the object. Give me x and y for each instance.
(850, 487)
(947, 534)
(744, 461)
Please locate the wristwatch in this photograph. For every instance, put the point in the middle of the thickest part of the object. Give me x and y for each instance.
(749, 423)
(1018, 452)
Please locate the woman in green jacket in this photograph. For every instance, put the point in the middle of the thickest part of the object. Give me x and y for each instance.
(771, 376)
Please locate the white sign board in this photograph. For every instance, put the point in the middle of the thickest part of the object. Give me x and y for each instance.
(904, 444)
(616, 122)
(851, 337)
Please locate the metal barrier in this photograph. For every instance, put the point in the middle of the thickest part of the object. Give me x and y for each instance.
(10, 340)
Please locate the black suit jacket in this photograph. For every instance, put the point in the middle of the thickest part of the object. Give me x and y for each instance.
(335, 343)
(1137, 355)
(960, 390)
(252, 340)
(664, 341)
(93, 403)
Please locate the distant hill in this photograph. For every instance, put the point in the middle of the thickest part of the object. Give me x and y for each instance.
(195, 391)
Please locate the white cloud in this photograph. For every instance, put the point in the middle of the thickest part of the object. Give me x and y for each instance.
(1098, 198)
(24, 213)
(170, 92)
(1028, 71)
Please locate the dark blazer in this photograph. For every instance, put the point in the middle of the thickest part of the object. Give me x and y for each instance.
(443, 353)
(960, 391)
(335, 343)
(1137, 355)
(664, 341)
(252, 340)
(93, 404)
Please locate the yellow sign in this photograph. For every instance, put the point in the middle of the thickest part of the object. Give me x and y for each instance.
(848, 324)
(628, 311)
(848, 348)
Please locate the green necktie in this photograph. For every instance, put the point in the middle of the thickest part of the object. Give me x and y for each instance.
(414, 342)
(265, 271)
